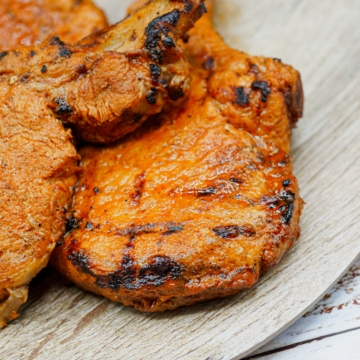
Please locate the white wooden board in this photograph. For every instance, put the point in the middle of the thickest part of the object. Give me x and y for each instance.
(321, 39)
(336, 314)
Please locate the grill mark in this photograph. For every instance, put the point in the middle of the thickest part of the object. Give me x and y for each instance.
(233, 231)
(139, 186)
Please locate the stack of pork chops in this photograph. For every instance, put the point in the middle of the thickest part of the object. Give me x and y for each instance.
(190, 195)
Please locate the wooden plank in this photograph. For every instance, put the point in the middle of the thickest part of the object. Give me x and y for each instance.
(319, 38)
(344, 346)
(337, 312)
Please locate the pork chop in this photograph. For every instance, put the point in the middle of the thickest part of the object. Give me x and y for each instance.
(200, 201)
(26, 23)
(134, 66)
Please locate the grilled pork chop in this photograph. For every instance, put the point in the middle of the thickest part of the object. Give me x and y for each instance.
(200, 201)
(26, 23)
(95, 84)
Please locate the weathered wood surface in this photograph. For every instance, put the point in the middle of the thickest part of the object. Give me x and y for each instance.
(336, 317)
(321, 39)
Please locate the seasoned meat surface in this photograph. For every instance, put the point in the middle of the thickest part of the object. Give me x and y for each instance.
(26, 23)
(202, 199)
(106, 85)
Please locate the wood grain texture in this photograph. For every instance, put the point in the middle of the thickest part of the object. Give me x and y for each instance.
(321, 40)
(345, 346)
(337, 313)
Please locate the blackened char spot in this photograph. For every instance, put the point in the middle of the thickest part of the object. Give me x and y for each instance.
(233, 231)
(122, 277)
(235, 180)
(151, 96)
(287, 210)
(264, 87)
(65, 53)
(287, 196)
(286, 183)
(288, 214)
(139, 186)
(71, 224)
(158, 28)
(89, 226)
(44, 69)
(155, 71)
(3, 54)
(188, 7)
(169, 42)
(159, 270)
(242, 98)
(207, 191)
(63, 107)
(209, 63)
(32, 53)
(56, 41)
(176, 93)
(227, 232)
(173, 229)
(80, 260)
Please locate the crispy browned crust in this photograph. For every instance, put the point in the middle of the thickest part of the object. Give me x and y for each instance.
(106, 87)
(198, 203)
(26, 23)
(80, 83)
(37, 160)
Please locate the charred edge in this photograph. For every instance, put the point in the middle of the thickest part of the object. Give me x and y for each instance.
(242, 98)
(155, 71)
(80, 260)
(63, 107)
(209, 63)
(151, 96)
(56, 41)
(139, 189)
(264, 87)
(64, 52)
(206, 192)
(158, 28)
(294, 100)
(287, 210)
(176, 93)
(123, 277)
(71, 224)
(44, 69)
(201, 10)
(156, 273)
(3, 54)
(232, 232)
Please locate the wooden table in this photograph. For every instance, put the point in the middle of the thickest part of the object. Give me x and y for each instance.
(331, 330)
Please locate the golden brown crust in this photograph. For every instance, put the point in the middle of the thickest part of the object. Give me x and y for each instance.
(27, 23)
(99, 86)
(199, 201)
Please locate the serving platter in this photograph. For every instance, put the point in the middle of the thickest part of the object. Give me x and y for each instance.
(321, 40)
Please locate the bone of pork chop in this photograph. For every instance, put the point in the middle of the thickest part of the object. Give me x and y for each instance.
(200, 201)
(105, 86)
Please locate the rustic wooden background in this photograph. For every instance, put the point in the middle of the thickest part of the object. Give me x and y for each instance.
(321, 39)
